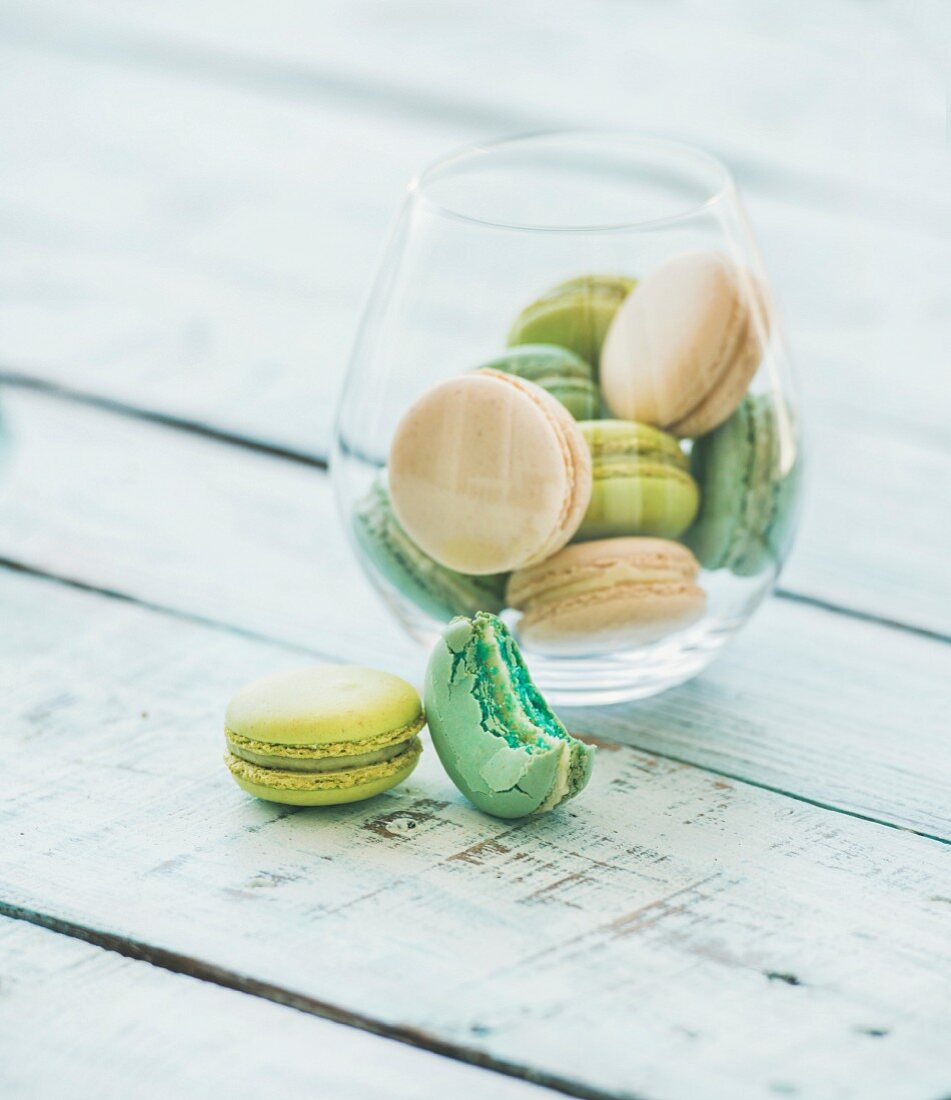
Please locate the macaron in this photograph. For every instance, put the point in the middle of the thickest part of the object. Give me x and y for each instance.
(566, 376)
(682, 349)
(322, 736)
(574, 314)
(495, 734)
(488, 473)
(641, 484)
(440, 592)
(748, 471)
(597, 597)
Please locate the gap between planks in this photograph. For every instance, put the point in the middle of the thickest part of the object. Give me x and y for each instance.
(271, 639)
(191, 967)
(318, 462)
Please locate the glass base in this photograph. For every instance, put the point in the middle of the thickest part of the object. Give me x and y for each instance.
(606, 678)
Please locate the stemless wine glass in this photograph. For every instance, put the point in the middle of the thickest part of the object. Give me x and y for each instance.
(548, 239)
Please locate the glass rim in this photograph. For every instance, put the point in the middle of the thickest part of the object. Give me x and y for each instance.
(417, 188)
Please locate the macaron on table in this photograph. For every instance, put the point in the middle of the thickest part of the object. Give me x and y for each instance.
(322, 736)
(588, 431)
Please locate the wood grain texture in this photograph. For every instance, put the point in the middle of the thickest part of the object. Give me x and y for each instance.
(722, 76)
(202, 249)
(746, 941)
(77, 1020)
(256, 544)
(86, 492)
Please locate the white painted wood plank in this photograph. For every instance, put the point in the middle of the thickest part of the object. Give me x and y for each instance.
(89, 494)
(80, 1021)
(835, 710)
(669, 933)
(788, 91)
(204, 250)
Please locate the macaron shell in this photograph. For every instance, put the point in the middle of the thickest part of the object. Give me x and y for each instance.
(640, 498)
(579, 396)
(440, 592)
(325, 789)
(491, 774)
(575, 314)
(613, 619)
(327, 704)
(749, 490)
(599, 596)
(489, 472)
(674, 339)
(534, 361)
(640, 482)
(721, 465)
(724, 397)
(752, 553)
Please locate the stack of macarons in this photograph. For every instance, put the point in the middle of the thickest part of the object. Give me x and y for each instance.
(585, 476)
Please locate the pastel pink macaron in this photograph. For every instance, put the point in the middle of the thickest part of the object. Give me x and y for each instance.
(489, 473)
(682, 349)
(597, 597)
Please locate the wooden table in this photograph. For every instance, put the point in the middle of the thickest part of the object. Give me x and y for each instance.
(753, 899)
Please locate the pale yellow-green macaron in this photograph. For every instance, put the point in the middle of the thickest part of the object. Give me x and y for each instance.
(324, 735)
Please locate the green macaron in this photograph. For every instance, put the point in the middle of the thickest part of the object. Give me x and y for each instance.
(496, 736)
(748, 472)
(322, 736)
(575, 314)
(566, 376)
(641, 484)
(440, 592)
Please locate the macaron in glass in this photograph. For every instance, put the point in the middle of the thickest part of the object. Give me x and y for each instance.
(596, 597)
(641, 484)
(566, 376)
(322, 736)
(749, 473)
(440, 592)
(498, 739)
(488, 472)
(682, 349)
(574, 314)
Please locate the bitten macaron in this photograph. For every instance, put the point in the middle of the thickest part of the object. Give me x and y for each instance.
(683, 347)
(641, 484)
(495, 734)
(566, 376)
(595, 597)
(749, 472)
(440, 592)
(488, 473)
(324, 735)
(574, 314)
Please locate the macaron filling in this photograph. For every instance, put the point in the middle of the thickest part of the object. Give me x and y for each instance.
(514, 710)
(340, 778)
(313, 764)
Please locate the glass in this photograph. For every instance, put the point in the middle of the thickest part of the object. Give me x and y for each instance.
(611, 281)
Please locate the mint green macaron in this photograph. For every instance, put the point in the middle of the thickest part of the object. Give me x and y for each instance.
(566, 376)
(322, 736)
(749, 477)
(435, 589)
(574, 314)
(496, 736)
(641, 484)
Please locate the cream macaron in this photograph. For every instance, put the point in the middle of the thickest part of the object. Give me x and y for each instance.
(489, 473)
(595, 597)
(683, 347)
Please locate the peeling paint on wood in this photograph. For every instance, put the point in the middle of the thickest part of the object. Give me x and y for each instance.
(646, 918)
